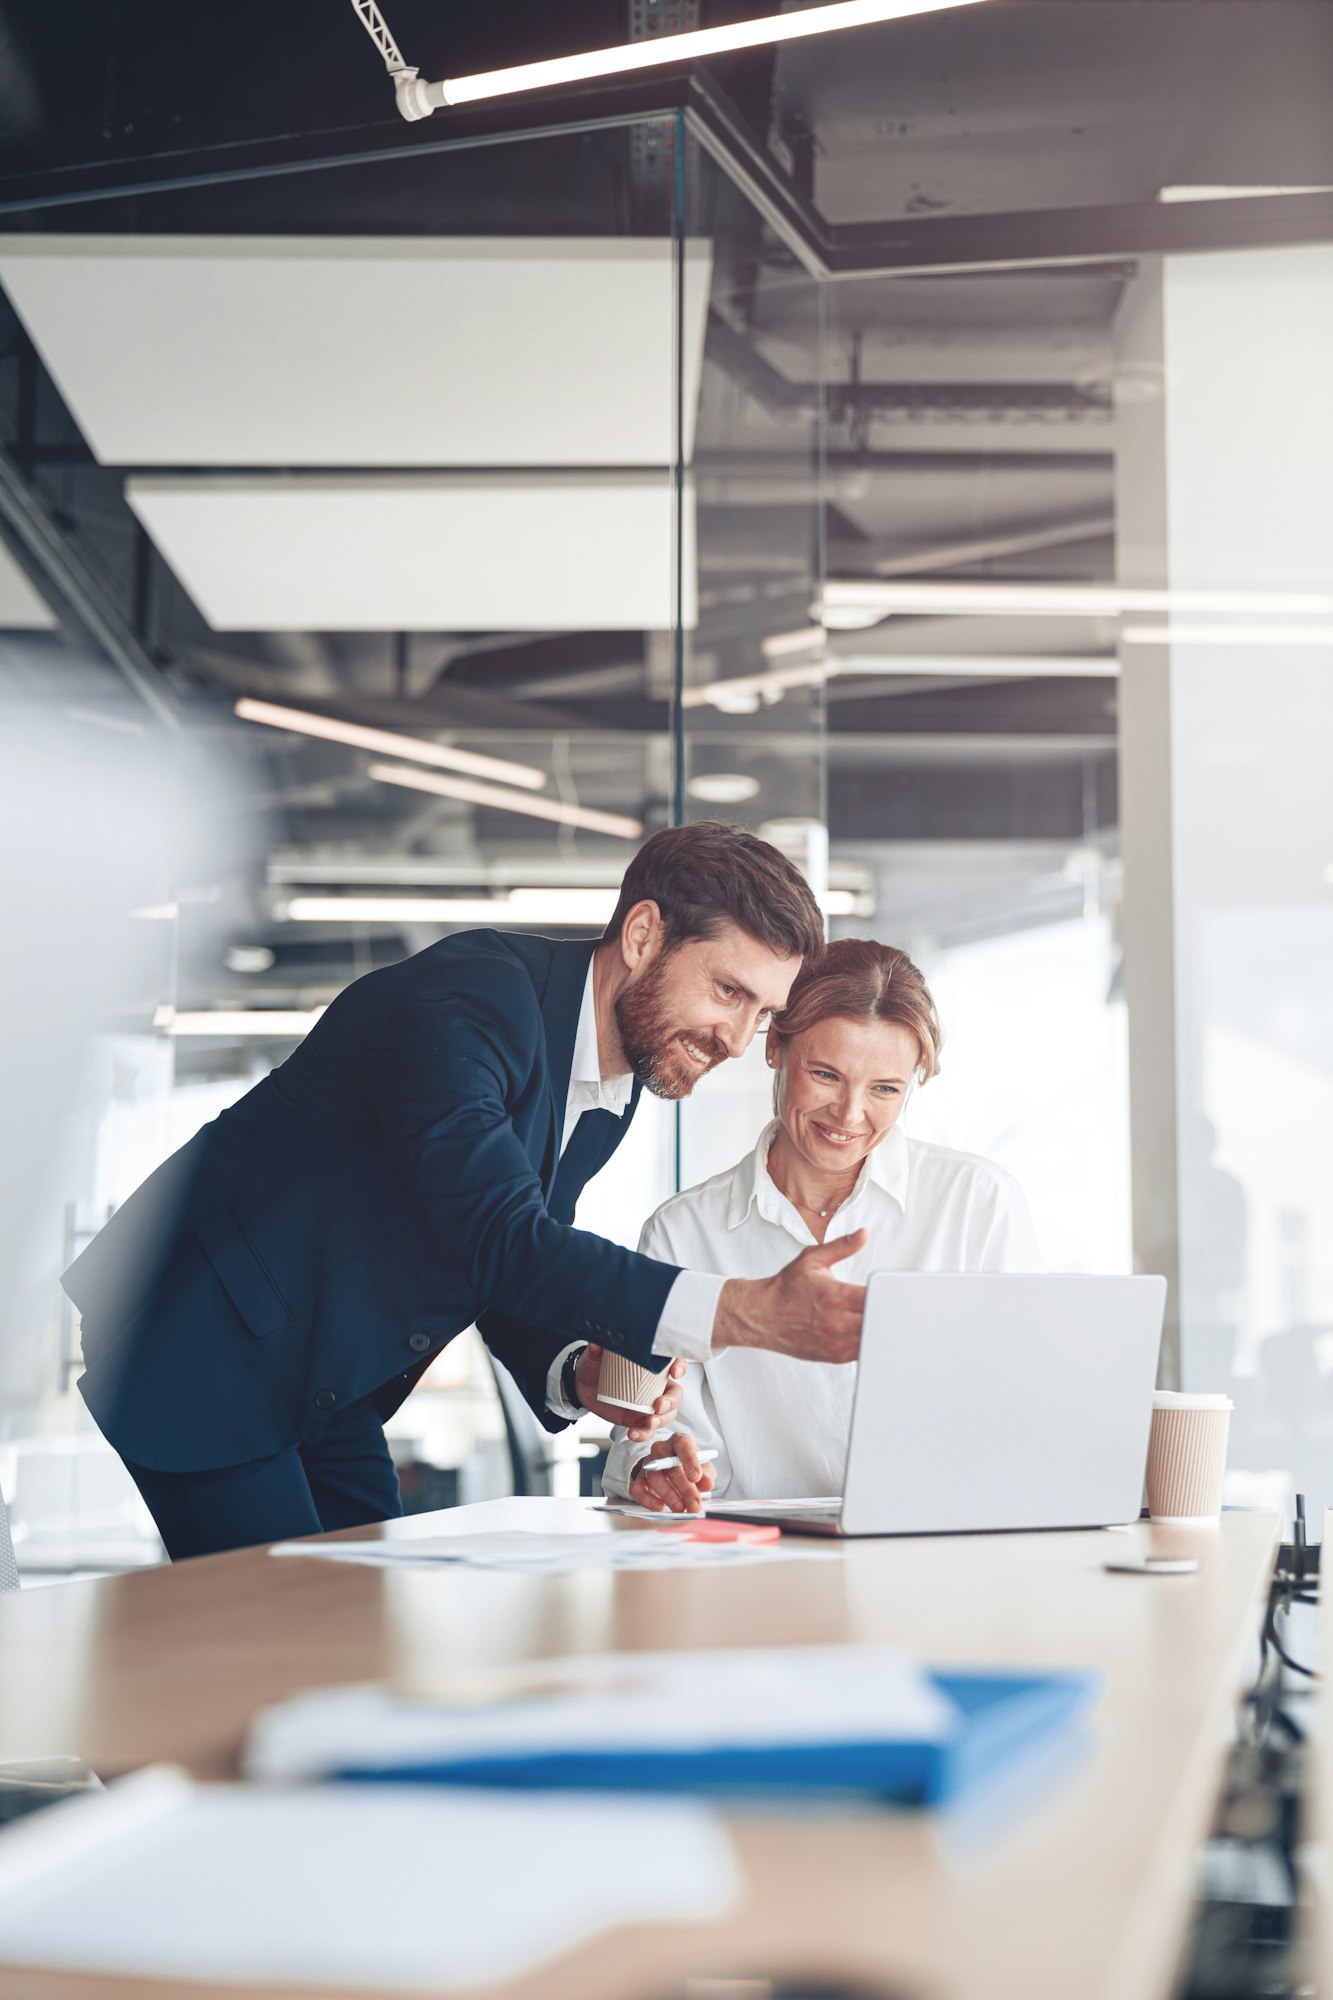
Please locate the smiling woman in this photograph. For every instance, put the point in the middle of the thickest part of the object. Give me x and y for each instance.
(858, 1032)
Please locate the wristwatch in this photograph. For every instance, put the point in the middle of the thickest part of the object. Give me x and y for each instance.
(569, 1388)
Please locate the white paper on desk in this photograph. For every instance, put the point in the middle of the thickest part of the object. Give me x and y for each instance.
(771, 1697)
(522, 1548)
(389, 1887)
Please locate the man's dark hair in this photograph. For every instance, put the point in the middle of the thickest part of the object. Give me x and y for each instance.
(708, 874)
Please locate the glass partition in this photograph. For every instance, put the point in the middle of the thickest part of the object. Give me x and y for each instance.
(751, 724)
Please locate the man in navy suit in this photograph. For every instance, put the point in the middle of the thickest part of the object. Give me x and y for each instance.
(271, 1293)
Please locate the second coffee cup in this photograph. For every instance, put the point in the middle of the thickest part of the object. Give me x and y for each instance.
(628, 1386)
(1187, 1457)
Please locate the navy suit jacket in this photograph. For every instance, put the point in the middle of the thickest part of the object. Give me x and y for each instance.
(398, 1178)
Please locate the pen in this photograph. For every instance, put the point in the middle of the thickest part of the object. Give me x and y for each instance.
(667, 1464)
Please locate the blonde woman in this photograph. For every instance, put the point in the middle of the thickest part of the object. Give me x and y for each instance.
(858, 1031)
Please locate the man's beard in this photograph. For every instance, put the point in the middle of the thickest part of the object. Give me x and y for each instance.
(652, 1051)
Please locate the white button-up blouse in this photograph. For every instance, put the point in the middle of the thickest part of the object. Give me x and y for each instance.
(778, 1424)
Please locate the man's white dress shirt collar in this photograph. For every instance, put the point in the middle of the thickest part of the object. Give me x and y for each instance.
(589, 1090)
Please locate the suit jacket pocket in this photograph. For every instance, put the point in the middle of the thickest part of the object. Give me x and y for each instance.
(243, 1274)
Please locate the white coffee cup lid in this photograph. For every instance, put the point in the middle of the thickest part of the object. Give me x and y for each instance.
(1184, 1399)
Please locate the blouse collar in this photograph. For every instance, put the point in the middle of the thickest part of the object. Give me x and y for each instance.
(888, 1168)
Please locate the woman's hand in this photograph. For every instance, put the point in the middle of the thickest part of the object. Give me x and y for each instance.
(683, 1488)
(666, 1406)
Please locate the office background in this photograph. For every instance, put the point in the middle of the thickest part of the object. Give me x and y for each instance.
(912, 446)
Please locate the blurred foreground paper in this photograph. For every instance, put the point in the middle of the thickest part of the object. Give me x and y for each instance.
(524, 1548)
(160, 1878)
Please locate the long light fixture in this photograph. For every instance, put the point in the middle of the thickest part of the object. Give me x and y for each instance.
(515, 802)
(884, 597)
(417, 99)
(1213, 191)
(520, 906)
(1227, 635)
(388, 742)
(982, 666)
(524, 907)
(743, 694)
(281, 1023)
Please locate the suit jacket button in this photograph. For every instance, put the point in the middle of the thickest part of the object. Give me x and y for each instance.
(325, 1399)
(419, 1342)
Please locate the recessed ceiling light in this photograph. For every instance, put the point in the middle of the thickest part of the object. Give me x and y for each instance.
(722, 788)
(249, 958)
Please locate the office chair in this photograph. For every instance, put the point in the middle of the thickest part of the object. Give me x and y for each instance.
(9, 1569)
(529, 1445)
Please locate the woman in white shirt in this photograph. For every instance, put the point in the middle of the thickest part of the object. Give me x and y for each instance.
(859, 1029)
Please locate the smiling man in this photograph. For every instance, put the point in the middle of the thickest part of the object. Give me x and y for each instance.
(271, 1294)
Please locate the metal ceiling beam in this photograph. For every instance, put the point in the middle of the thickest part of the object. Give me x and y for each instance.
(66, 580)
(783, 395)
(597, 106)
(1051, 239)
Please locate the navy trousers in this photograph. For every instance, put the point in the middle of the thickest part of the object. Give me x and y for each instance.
(344, 1479)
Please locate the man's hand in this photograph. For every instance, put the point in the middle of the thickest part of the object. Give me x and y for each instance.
(680, 1490)
(804, 1310)
(666, 1406)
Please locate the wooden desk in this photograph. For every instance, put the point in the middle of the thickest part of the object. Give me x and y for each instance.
(1079, 1890)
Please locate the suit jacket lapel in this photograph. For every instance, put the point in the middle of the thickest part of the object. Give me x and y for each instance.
(560, 1004)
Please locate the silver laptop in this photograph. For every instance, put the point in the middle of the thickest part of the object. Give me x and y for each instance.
(989, 1401)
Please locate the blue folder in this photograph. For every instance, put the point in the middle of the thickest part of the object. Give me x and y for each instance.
(999, 1719)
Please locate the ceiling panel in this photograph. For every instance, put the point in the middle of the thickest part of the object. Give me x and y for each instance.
(293, 351)
(420, 553)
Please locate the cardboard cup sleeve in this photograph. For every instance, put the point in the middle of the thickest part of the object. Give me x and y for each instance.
(627, 1385)
(1187, 1457)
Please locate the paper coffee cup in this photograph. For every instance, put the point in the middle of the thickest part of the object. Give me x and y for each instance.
(627, 1385)
(1187, 1457)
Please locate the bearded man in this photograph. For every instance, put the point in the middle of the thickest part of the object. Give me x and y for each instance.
(269, 1296)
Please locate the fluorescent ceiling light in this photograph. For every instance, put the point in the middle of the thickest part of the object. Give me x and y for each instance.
(781, 645)
(280, 1023)
(521, 906)
(849, 617)
(743, 694)
(388, 742)
(418, 100)
(581, 551)
(1057, 600)
(394, 873)
(1227, 635)
(1215, 191)
(515, 802)
(976, 666)
(496, 351)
